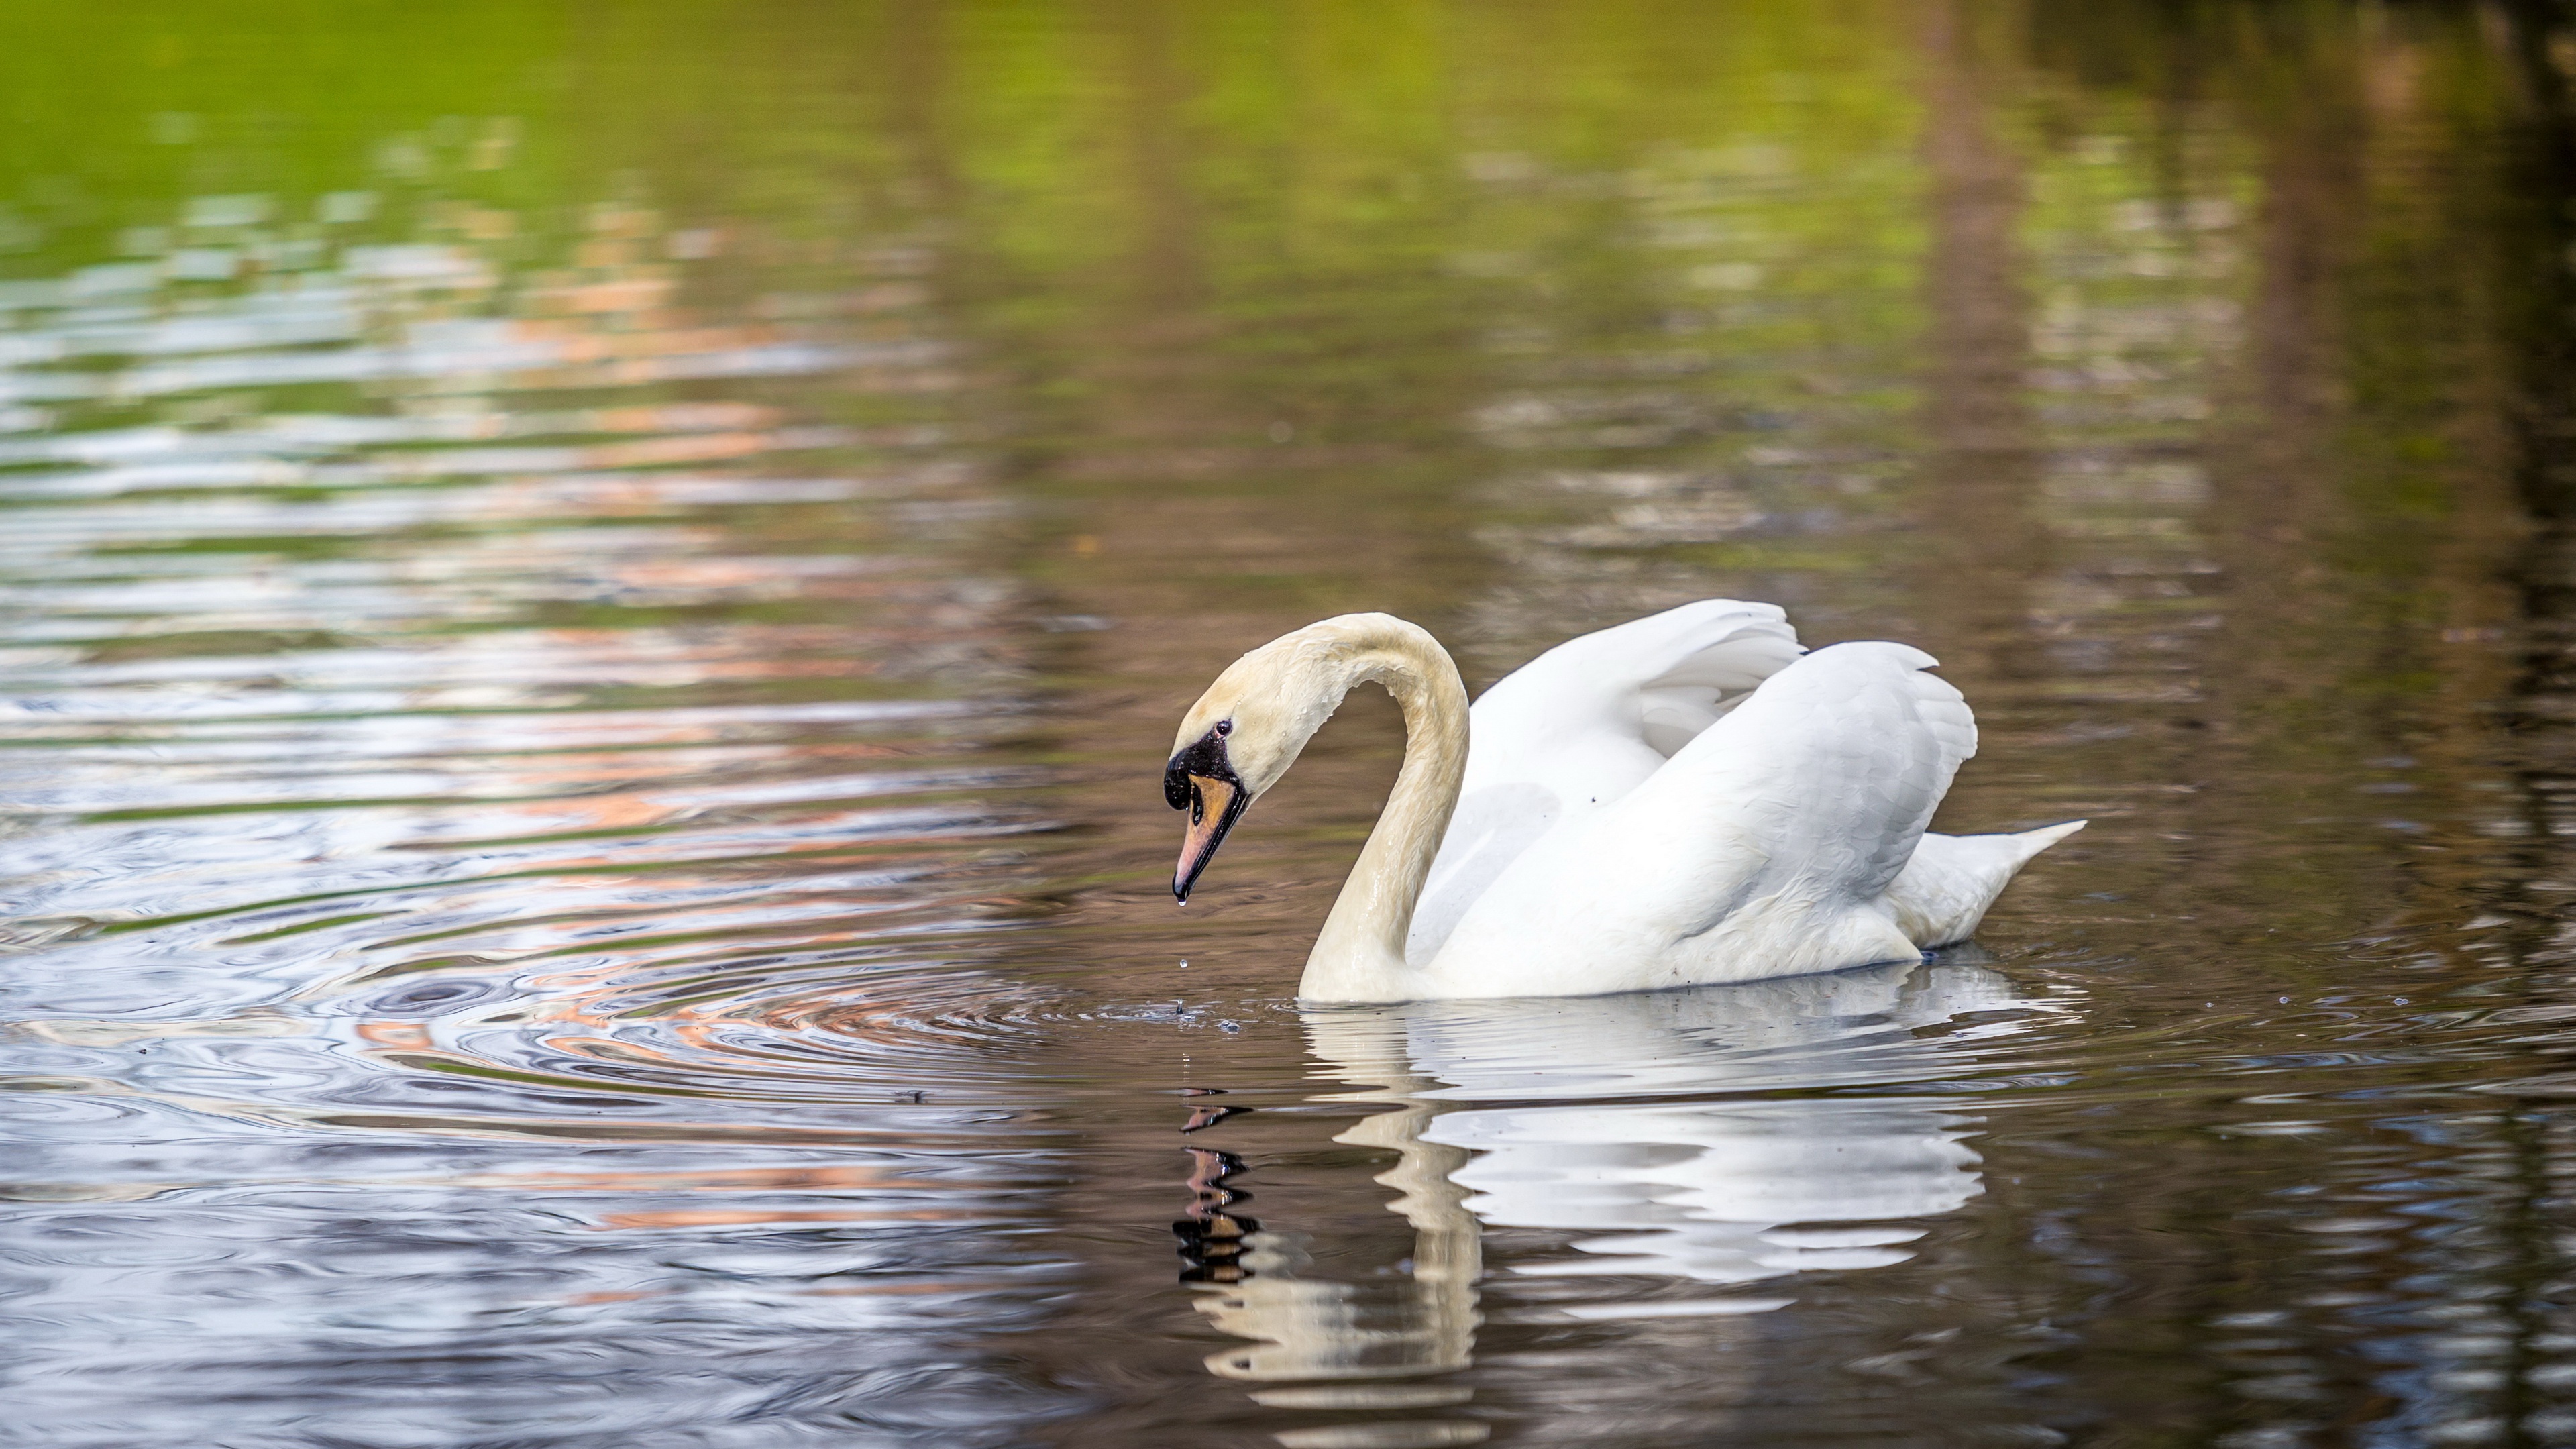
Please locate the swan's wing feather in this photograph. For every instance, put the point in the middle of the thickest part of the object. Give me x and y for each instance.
(1579, 719)
(1832, 770)
(1697, 689)
(1723, 645)
(1579, 726)
(1764, 848)
(1492, 826)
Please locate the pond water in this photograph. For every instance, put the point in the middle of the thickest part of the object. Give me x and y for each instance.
(592, 601)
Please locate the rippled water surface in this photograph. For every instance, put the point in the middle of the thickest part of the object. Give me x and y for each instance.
(591, 603)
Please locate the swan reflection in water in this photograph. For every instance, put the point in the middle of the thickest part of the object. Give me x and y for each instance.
(1562, 1114)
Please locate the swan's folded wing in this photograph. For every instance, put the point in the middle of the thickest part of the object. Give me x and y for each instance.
(1591, 717)
(1764, 848)
(1579, 726)
(1831, 770)
(1492, 826)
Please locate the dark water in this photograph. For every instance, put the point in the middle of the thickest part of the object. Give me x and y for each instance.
(593, 599)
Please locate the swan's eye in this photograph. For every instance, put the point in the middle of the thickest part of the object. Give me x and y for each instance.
(1224, 727)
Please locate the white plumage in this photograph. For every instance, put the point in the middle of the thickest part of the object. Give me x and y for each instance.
(1583, 724)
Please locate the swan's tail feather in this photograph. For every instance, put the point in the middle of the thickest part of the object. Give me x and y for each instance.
(2031, 842)
(1945, 889)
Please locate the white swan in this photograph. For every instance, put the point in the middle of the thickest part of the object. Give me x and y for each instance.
(1767, 844)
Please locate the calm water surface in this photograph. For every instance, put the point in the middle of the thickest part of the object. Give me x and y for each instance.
(592, 601)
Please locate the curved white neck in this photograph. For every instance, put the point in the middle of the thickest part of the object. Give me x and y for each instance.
(1359, 956)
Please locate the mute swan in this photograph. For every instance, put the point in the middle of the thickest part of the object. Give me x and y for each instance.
(1795, 794)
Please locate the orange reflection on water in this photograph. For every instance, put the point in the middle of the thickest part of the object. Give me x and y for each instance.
(750, 1217)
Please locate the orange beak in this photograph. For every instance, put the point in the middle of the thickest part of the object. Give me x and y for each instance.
(1214, 806)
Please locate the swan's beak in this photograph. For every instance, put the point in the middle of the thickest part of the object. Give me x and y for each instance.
(1214, 807)
(1201, 781)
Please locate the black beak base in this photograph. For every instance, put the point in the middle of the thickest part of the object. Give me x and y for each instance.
(1193, 774)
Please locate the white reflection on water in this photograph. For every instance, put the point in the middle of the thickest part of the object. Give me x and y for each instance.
(444, 649)
(1680, 1139)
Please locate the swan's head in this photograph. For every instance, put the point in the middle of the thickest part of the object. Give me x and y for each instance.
(1248, 728)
